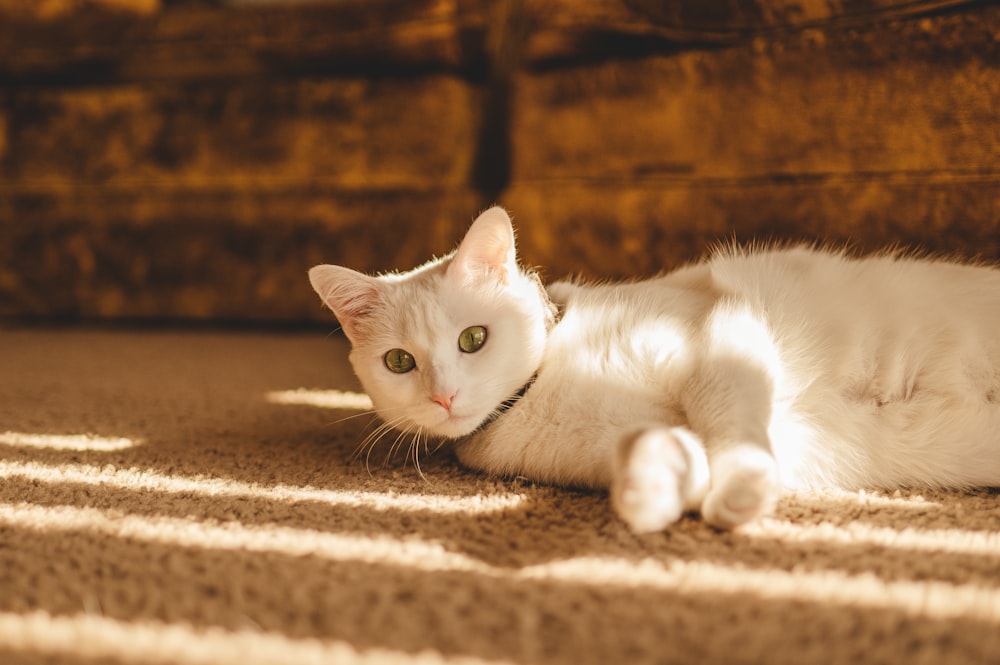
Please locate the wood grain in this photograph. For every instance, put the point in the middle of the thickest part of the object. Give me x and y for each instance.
(565, 33)
(874, 135)
(627, 230)
(362, 132)
(219, 255)
(96, 42)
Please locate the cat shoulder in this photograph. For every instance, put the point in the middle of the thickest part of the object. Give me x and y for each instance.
(734, 262)
(560, 292)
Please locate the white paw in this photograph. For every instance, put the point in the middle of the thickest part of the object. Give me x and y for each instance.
(650, 475)
(744, 486)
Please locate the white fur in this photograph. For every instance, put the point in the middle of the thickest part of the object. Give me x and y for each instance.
(753, 371)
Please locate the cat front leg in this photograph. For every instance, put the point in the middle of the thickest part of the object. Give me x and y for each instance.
(744, 486)
(728, 401)
(658, 473)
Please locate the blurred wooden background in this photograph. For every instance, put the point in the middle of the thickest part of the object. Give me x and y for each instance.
(190, 159)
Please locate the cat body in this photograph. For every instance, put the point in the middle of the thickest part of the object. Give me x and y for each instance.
(709, 388)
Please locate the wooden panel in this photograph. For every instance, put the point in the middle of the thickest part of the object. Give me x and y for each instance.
(191, 159)
(804, 104)
(740, 115)
(143, 40)
(211, 201)
(625, 230)
(566, 31)
(362, 132)
(208, 254)
(879, 134)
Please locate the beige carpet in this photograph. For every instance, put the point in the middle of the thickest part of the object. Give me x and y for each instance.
(192, 498)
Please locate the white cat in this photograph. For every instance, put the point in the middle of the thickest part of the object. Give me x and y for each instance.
(710, 388)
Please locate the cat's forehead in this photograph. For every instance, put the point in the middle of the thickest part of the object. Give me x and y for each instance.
(421, 308)
(434, 301)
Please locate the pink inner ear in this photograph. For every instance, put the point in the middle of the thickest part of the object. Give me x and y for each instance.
(487, 247)
(354, 307)
(349, 294)
(357, 304)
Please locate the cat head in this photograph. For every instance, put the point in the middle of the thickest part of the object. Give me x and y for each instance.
(440, 347)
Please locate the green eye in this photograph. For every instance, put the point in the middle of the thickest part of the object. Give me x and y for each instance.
(399, 361)
(472, 339)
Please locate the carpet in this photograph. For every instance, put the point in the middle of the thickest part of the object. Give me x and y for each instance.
(195, 497)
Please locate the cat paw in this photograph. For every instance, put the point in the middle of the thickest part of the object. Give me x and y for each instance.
(647, 490)
(744, 487)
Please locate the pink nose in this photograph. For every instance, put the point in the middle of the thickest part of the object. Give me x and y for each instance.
(444, 399)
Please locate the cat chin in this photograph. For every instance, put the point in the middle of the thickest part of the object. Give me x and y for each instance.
(456, 427)
(450, 427)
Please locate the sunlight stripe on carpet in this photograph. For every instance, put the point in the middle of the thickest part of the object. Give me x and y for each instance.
(955, 541)
(821, 500)
(327, 399)
(94, 638)
(236, 536)
(148, 480)
(81, 442)
(934, 599)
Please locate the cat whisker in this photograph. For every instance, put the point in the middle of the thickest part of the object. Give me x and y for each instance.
(365, 414)
(415, 452)
(396, 444)
(366, 447)
(370, 438)
(418, 438)
(368, 444)
(383, 422)
(437, 447)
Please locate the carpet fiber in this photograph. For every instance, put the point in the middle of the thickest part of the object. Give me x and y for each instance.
(180, 497)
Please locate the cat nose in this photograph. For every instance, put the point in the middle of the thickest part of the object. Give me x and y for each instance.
(444, 399)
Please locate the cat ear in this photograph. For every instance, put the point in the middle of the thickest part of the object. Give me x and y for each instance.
(488, 247)
(349, 294)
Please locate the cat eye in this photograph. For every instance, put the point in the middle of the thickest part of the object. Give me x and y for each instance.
(399, 361)
(472, 339)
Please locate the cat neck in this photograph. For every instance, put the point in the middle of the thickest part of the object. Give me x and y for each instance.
(506, 405)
